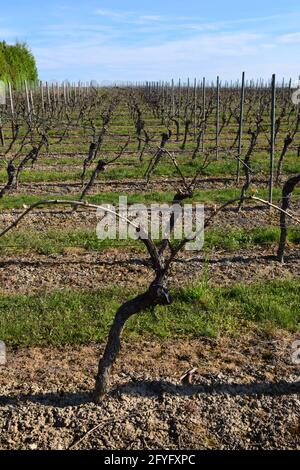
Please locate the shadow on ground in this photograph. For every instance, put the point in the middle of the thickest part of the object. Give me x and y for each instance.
(157, 389)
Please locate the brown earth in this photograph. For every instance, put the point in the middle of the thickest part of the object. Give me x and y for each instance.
(245, 395)
(81, 269)
(31, 273)
(64, 217)
(129, 186)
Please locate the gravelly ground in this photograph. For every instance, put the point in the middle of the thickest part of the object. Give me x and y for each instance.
(59, 217)
(30, 273)
(125, 185)
(245, 395)
(78, 268)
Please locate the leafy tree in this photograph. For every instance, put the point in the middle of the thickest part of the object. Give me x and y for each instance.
(17, 63)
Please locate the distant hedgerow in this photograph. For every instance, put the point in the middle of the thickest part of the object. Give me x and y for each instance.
(17, 63)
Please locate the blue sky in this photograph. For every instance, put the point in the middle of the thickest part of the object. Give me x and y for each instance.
(157, 40)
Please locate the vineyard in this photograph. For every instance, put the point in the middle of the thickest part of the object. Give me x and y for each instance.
(191, 319)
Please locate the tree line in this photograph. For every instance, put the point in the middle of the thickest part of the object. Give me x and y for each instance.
(17, 63)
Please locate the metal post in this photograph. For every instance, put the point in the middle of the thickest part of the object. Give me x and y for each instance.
(42, 96)
(187, 100)
(272, 152)
(203, 112)
(179, 97)
(173, 102)
(27, 99)
(240, 129)
(195, 107)
(11, 110)
(48, 95)
(217, 118)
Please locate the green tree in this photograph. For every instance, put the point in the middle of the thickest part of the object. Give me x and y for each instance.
(17, 63)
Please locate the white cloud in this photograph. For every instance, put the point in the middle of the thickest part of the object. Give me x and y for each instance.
(151, 17)
(292, 38)
(129, 17)
(126, 45)
(196, 56)
(112, 14)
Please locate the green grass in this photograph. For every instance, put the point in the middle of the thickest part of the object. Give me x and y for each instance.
(130, 167)
(56, 241)
(241, 238)
(213, 196)
(60, 241)
(74, 317)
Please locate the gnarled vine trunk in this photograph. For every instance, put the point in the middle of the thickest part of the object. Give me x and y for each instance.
(287, 191)
(157, 294)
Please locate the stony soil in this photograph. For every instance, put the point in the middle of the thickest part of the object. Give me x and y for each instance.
(128, 186)
(64, 217)
(31, 273)
(245, 395)
(78, 268)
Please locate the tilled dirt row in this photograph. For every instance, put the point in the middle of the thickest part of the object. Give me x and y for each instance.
(62, 217)
(245, 395)
(33, 273)
(129, 186)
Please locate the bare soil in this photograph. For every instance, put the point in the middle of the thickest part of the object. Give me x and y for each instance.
(245, 395)
(129, 186)
(81, 269)
(64, 217)
(31, 273)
